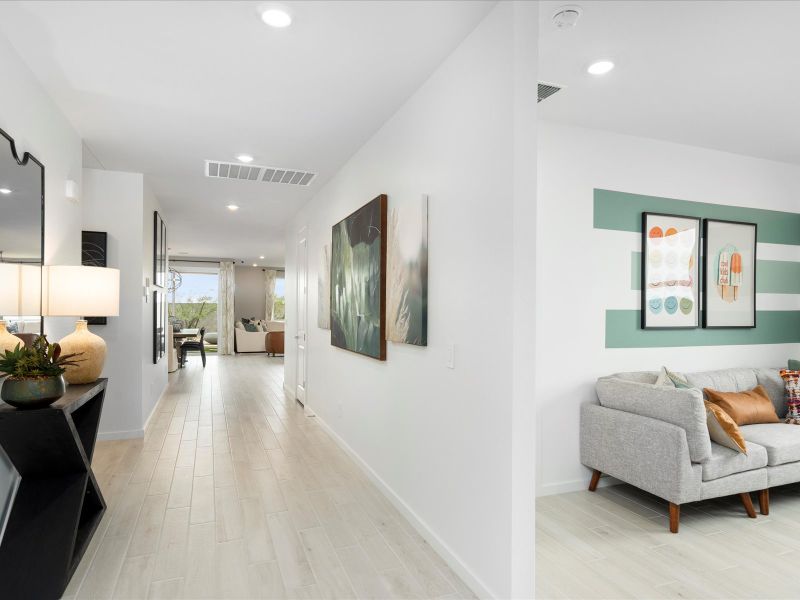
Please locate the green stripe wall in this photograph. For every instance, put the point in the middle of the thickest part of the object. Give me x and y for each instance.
(772, 276)
(621, 211)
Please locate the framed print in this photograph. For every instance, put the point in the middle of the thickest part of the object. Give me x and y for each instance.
(159, 325)
(159, 250)
(670, 267)
(729, 274)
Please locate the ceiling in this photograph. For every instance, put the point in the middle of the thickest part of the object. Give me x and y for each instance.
(159, 87)
(721, 75)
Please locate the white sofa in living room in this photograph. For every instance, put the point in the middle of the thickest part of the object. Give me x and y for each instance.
(255, 341)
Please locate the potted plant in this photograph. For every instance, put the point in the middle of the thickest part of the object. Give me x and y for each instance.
(34, 374)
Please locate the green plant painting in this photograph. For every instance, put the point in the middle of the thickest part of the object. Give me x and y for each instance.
(358, 282)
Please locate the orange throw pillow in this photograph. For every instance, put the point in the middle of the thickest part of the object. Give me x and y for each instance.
(745, 408)
(722, 429)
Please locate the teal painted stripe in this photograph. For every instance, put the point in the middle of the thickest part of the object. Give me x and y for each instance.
(774, 327)
(772, 276)
(621, 211)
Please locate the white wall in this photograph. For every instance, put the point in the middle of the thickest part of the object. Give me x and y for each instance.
(249, 298)
(114, 202)
(583, 271)
(439, 440)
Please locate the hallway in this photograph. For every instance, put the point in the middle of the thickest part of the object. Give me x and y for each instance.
(234, 493)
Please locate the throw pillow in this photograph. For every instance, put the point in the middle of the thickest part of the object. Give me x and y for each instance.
(745, 408)
(722, 429)
(245, 320)
(794, 365)
(250, 327)
(791, 379)
(667, 377)
(239, 325)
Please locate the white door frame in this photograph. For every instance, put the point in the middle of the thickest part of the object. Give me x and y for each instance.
(301, 316)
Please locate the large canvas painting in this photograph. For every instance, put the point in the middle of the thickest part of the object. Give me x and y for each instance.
(358, 281)
(729, 290)
(94, 246)
(407, 286)
(324, 289)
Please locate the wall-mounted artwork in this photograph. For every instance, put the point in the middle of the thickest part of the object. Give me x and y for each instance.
(358, 281)
(324, 289)
(94, 248)
(670, 267)
(407, 267)
(159, 250)
(729, 274)
(159, 325)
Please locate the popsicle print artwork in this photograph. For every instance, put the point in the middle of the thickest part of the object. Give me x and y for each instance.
(729, 273)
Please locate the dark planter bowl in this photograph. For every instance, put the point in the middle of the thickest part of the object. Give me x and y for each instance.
(32, 393)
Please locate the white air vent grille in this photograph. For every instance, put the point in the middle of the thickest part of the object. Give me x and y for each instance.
(546, 90)
(224, 170)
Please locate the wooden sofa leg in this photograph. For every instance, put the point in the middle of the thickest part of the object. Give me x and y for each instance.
(595, 480)
(674, 517)
(763, 501)
(748, 504)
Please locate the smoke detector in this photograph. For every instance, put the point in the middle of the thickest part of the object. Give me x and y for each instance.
(566, 17)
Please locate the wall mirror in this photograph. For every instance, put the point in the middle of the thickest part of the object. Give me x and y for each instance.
(21, 238)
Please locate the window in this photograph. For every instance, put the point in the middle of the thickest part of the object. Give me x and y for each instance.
(279, 307)
(195, 301)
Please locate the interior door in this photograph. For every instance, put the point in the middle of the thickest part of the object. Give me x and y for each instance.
(302, 315)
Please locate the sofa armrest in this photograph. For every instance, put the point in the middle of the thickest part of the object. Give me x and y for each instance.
(682, 407)
(648, 453)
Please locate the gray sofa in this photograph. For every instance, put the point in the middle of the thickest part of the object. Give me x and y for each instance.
(656, 438)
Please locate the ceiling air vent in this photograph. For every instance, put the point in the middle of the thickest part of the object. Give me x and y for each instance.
(546, 90)
(224, 170)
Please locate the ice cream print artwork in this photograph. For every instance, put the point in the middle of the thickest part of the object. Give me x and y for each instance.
(670, 245)
(729, 295)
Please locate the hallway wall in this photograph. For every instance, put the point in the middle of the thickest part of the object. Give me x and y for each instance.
(438, 440)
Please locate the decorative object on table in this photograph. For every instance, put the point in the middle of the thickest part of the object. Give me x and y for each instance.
(34, 374)
(57, 504)
(729, 274)
(791, 382)
(358, 281)
(159, 325)
(407, 268)
(324, 289)
(78, 290)
(670, 269)
(8, 341)
(159, 251)
(94, 248)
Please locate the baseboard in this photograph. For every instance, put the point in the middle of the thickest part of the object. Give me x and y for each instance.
(576, 485)
(450, 557)
(120, 435)
(155, 406)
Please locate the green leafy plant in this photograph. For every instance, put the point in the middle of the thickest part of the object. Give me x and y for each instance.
(38, 361)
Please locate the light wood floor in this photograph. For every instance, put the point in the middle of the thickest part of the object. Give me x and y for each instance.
(234, 493)
(615, 543)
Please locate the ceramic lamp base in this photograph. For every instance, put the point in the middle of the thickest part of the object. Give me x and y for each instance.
(8, 341)
(92, 350)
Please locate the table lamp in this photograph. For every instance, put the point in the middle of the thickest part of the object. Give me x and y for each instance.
(20, 294)
(72, 291)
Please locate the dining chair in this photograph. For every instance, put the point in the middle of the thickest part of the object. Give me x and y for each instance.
(194, 346)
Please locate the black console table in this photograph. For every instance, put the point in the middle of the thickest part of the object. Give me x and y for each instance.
(57, 503)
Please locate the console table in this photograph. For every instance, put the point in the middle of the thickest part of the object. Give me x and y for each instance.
(57, 503)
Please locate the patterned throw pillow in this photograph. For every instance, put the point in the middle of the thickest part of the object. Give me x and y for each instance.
(791, 379)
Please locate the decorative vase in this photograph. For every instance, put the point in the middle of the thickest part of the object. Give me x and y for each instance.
(92, 350)
(8, 341)
(32, 393)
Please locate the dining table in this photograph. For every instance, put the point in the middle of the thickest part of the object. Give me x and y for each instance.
(178, 338)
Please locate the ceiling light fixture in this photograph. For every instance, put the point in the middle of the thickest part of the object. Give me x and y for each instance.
(275, 17)
(567, 16)
(255, 265)
(601, 67)
(232, 207)
(5, 191)
(245, 158)
(260, 258)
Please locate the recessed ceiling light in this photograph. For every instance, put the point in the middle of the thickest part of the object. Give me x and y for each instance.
(255, 265)
(5, 191)
(260, 258)
(601, 67)
(232, 207)
(245, 158)
(274, 17)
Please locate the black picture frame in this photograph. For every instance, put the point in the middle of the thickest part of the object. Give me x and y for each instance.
(644, 271)
(159, 326)
(94, 253)
(22, 162)
(707, 269)
(159, 251)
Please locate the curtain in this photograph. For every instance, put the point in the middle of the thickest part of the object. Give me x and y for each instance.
(270, 276)
(227, 286)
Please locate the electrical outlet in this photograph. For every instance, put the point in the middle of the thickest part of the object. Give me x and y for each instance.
(451, 355)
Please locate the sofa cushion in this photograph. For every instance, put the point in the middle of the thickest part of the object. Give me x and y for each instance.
(724, 461)
(726, 380)
(781, 440)
(771, 380)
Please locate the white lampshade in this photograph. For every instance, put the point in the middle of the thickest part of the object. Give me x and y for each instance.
(73, 291)
(20, 290)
